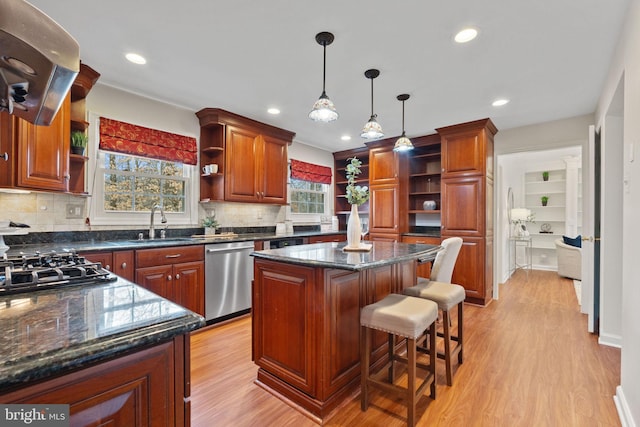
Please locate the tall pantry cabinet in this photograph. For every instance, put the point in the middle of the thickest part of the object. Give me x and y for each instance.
(467, 181)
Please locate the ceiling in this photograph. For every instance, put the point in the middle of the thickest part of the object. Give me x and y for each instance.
(549, 57)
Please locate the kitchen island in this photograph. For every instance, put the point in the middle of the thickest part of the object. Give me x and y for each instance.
(306, 316)
(113, 351)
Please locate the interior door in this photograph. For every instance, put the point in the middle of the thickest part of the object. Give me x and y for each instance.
(590, 290)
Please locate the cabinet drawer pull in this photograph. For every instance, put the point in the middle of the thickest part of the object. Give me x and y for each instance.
(5, 156)
(173, 256)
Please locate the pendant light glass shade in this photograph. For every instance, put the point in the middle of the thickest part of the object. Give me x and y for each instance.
(372, 128)
(403, 143)
(323, 109)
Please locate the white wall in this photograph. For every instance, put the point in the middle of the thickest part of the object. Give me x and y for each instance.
(626, 63)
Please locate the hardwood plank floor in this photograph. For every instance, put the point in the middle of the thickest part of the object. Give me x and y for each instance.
(529, 361)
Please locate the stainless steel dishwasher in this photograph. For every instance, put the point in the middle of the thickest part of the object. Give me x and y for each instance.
(228, 276)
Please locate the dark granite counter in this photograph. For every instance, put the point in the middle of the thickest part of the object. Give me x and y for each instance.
(122, 244)
(332, 255)
(49, 332)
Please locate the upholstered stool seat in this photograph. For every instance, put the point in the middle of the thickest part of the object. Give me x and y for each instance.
(407, 317)
(447, 296)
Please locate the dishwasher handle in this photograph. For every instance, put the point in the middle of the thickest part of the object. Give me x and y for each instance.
(236, 248)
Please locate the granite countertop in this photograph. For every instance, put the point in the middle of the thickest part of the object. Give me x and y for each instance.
(332, 255)
(123, 244)
(50, 332)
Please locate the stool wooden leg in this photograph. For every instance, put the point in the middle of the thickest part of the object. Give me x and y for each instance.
(447, 345)
(390, 352)
(433, 357)
(411, 382)
(365, 350)
(460, 357)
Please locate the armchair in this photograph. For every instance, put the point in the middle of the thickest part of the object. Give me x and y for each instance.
(569, 260)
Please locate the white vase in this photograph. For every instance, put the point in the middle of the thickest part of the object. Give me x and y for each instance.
(353, 228)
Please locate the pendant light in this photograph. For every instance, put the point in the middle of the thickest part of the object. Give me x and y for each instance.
(403, 143)
(372, 128)
(323, 109)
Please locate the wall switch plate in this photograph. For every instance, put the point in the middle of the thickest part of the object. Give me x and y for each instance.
(75, 211)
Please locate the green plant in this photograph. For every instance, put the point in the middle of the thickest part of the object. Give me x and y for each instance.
(544, 200)
(209, 222)
(79, 139)
(545, 175)
(356, 194)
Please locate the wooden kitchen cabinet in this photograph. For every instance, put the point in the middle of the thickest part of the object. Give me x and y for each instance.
(43, 154)
(118, 262)
(175, 273)
(251, 157)
(149, 387)
(467, 149)
(388, 192)
(467, 203)
(259, 163)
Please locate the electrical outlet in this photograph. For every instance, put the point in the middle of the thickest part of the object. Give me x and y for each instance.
(75, 211)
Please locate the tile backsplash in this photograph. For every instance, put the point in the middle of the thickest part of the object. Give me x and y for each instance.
(47, 212)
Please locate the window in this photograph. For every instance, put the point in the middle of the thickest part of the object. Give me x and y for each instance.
(124, 187)
(136, 184)
(307, 197)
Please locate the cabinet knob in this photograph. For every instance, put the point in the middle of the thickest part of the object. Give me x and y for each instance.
(178, 276)
(5, 156)
(107, 267)
(123, 266)
(169, 278)
(67, 177)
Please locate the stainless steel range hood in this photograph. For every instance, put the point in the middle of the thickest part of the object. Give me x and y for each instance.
(38, 62)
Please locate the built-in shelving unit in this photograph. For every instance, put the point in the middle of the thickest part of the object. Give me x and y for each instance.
(82, 85)
(342, 208)
(554, 214)
(425, 167)
(212, 152)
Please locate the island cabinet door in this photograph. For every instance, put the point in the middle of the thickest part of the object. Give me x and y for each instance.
(340, 355)
(284, 317)
(139, 389)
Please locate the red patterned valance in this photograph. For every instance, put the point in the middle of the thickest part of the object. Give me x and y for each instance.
(310, 172)
(126, 138)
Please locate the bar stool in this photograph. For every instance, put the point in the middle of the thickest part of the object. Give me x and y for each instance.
(407, 317)
(446, 295)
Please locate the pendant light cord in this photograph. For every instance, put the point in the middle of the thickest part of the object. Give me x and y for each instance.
(324, 65)
(403, 118)
(371, 97)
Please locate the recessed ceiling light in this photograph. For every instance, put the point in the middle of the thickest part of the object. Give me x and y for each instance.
(135, 58)
(466, 35)
(500, 102)
(345, 138)
(273, 111)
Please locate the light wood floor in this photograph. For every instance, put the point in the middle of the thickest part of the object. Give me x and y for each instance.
(529, 361)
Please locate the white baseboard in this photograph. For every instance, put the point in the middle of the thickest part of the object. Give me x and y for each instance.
(624, 413)
(610, 340)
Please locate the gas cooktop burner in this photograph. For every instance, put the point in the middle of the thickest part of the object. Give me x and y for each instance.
(28, 272)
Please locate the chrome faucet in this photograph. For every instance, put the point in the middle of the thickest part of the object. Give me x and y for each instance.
(163, 220)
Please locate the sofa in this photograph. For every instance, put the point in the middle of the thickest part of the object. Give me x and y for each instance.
(569, 260)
